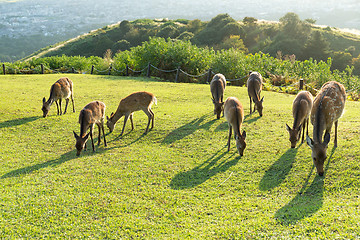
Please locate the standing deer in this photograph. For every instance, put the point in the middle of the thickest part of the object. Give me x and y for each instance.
(301, 110)
(327, 109)
(254, 87)
(93, 113)
(217, 87)
(128, 105)
(234, 114)
(62, 88)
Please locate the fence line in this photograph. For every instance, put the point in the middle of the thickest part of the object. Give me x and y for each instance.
(148, 73)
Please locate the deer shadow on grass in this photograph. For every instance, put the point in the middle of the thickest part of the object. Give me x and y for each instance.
(188, 129)
(17, 122)
(213, 165)
(51, 163)
(307, 202)
(249, 120)
(276, 174)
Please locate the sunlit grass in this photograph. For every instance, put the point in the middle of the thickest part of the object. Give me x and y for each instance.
(178, 181)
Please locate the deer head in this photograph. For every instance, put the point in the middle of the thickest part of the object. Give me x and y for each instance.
(80, 142)
(294, 135)
(109, 123)
(240, 143)
(319, 152)
(259, 106)
(45, 108)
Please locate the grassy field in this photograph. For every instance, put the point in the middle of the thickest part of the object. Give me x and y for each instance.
(176, 182)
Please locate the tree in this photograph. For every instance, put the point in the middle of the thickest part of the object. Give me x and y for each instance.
(235, 42)
(316, 47)
(340, 60)
(293, 27)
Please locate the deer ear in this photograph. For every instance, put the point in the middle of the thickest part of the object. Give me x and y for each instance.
(262, 99)
(288, 128)
(326, 139)
(107, 118)
(244, 134)
(309, 141)
(299, 128)
(222, 104)
(86, 136)
(44, 100)
(75, 135)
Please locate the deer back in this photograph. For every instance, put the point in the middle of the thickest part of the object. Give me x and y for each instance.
(91, 114)
(254, 86)
(234, 114)
(217, 87)
(327, 108)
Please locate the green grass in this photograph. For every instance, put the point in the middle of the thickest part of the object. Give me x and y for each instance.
(178, 181)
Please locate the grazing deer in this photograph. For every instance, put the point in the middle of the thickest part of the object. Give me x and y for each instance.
(327, 109)
(128, 105)
(62, 88)
(217, 87)
(93, 113)
(301, 110)
(234, 114)
(254, 87)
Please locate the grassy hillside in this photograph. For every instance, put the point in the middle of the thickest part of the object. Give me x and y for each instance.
(178, 181)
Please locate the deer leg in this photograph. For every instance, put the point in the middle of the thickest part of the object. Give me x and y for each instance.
(152, 117)
(92, 140)
(131, 121)
(228, 143)
(57, 107)
(303, 131)
(72, 100)
(149, 119)
(307, 126)
(250, 105)
(60, 106)
(66, 104)
(99, 139)
(335, 139)
(125, 120)
(102, 126)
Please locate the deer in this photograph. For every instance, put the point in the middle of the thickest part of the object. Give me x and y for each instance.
(254, 87)
(234, 114)
(217, 87)
(301, 110)
(61, 89)
(93, 113)
(134, 102)
(328, 107)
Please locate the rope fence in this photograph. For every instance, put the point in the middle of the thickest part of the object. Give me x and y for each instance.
(41, 69)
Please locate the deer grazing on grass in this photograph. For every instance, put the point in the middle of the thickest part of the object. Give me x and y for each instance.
(128, 105)
(327, 109)
(61, 89)
(254, 87)
(301, 110)
(217, 87)
(234, 114)
(93, 113)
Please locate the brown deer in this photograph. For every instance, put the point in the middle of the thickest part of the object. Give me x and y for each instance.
(234, 114)
(61, 89)
(93, 113)
(254, 87)
(217, 87)
(327, 109)
(301, 110)
(128, 105)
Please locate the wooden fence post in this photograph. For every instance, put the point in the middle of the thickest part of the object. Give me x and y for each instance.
(92, 69)
(148, 70)
(209, 75)
(127, 70)
(42, 68)
(109, 73)
(4, 69)
(301, 84)
(177, 74)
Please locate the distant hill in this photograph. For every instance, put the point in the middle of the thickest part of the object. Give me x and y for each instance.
(288, 37)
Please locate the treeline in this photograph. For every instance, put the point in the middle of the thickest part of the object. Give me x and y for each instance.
(290, 37)
(169, 55)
